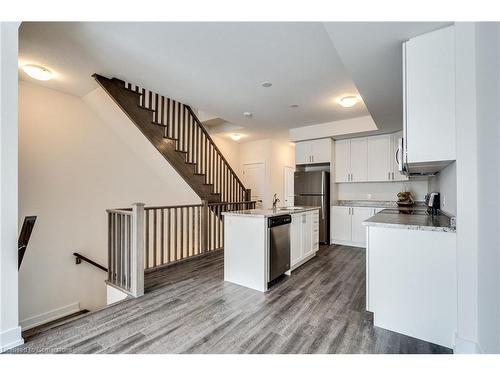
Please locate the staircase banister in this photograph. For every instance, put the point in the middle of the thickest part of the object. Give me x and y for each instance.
(190, 110)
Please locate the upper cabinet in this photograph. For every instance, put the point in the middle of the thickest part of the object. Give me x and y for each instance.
(368, 159)
(429, 97)
(313, 152)
(379, 162)
(350, 160)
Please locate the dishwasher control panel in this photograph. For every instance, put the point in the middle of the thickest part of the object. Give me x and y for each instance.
(279, 220)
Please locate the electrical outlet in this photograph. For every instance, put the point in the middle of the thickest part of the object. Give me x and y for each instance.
(369, 196)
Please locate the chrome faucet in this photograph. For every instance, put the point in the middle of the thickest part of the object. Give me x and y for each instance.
(275, 200)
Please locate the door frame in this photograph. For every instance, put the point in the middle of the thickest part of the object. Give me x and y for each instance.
(285, 167)
(253, 162)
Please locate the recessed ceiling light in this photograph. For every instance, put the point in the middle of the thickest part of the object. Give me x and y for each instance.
(348, 101)
(247, 114)
(266, 84)
(235, 136)
(294, 106)
(38, 72)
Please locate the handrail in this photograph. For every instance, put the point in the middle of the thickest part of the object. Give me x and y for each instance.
(176, 206)
(80, 257)
(213, 144)
(24, 237)
(228, 203)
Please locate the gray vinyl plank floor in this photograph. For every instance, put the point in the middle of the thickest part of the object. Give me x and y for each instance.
(188, 308)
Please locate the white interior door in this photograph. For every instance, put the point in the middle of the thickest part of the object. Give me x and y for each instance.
(288, 173)
(254, 177)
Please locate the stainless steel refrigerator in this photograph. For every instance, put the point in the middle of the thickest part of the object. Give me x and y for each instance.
(313, 189)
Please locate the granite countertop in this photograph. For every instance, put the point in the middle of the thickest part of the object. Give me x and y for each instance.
(407, 218)
(371, 203)
(260, 212)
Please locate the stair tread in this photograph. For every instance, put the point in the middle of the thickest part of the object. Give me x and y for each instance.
(159, 124)
(146, 108)
(132, 90)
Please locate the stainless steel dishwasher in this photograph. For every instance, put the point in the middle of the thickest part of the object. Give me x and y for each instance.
(279, 245)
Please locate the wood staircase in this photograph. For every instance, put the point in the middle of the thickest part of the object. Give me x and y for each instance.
(177, 133)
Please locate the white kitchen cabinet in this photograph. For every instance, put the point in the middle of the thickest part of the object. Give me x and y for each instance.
(379, 163)
(395, 158)
(347, 225)
(296, 239)
(429, 97)
(351, 160)
(341, 224)
(359, 159)
(342, 162)
(358, 231)
(313, 152)
(304, 237)
(302, 152)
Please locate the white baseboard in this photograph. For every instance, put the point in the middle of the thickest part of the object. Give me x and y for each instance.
(10, 339)
(465, 346)
(347, 243)
(49, 316)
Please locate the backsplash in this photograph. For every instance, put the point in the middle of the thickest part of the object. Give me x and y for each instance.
(383, 191)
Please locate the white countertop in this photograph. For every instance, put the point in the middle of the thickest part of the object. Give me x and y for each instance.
(259, 212)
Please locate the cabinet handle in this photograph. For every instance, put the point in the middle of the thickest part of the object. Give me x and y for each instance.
(393, 175)
(352, 177)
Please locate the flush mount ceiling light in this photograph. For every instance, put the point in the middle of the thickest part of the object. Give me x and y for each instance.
(247, 114)
(235, 136)
(348, 101)
(294, 105)
(38, 72)
(266, 84)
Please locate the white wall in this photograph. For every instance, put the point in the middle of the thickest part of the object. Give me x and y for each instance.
(488, 124)
(275, 154)
(446, 184)
(383, 191)
(467, 190)
(10, 332)
(73, 166)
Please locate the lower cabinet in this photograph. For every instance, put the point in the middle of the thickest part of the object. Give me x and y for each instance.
(347, 225)
(304, 237)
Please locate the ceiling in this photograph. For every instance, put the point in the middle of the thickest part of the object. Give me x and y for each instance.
(219, 67)
(373, 57)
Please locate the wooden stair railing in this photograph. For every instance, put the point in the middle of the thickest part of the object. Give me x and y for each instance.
(177, 133)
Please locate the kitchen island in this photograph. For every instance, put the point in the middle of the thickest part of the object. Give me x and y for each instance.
(411, 274)
(247, 241)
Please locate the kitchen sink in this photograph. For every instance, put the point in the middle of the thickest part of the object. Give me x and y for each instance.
(289, 208)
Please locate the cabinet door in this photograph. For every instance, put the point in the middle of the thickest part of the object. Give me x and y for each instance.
(359, 159)
(360, 214)
(321, 150)
(341, 223)
(396, 158)
(342, 162)
(315, 230)
(306, 235)
(430, 96)
(303, 152)
(379, 164)
(296, 239)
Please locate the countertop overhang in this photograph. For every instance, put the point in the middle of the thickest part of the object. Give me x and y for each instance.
(416, 221)
(259, 212)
